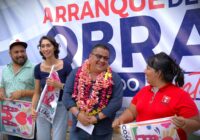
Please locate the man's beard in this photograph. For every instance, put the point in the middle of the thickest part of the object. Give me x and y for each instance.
(20, 62)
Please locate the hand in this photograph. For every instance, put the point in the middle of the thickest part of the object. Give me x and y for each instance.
(2, 96)
(117, 122)
(54, 83)
(16, 95)
(34, 114)
(83, 118)
(179, 122)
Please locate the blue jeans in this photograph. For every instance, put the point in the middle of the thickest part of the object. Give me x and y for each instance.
(57, 130)
(80, 134)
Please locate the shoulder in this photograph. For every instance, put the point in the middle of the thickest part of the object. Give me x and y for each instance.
(75, 70)
(66, 64)
(29, 67)
(142, 93)
(29, 64)
(65, 61)
(37, 67)
(177, 93)
(6, 69)
(72, 76)
(146, 88)
(176, 90)
(181, 92)
(115, 76)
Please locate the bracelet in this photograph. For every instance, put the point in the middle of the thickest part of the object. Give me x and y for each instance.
(76, 114)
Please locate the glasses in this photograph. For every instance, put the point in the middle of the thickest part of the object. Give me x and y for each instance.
(99, 57)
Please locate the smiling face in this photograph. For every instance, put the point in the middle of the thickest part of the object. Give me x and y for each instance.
(47, 49)
(99, 60)
(18, 55)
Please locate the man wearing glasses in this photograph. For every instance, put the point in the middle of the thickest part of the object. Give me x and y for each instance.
(93, 93)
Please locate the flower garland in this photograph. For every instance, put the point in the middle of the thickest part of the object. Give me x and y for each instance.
(92, 97)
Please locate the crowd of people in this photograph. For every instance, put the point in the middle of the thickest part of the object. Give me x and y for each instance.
(93, 93)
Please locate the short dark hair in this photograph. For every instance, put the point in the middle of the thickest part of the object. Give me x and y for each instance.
(53, 42)
(168, 67)
(103, 46)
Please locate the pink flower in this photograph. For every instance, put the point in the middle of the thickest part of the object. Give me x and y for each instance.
(86, 94)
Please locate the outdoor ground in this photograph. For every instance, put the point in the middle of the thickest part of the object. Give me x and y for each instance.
(116, 136)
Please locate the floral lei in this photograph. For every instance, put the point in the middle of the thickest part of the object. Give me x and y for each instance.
(92, 98)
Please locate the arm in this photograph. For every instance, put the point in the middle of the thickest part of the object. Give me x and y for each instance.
(189, 125)
(68, 90)
(187, 116)
(128, 115)
(54, 83)
(35, 98)
(80, 115)
(21, 93)
(116, 100)
(70, 103)
(2, 95)
(2, 90)
(62, 75)
(27, 93)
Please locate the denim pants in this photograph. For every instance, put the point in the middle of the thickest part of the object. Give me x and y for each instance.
(80, 134)
(57, 130)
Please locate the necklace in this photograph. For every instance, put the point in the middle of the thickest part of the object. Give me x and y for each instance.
(92, 97)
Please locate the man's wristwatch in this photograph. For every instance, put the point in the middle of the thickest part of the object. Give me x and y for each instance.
(97, 117)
